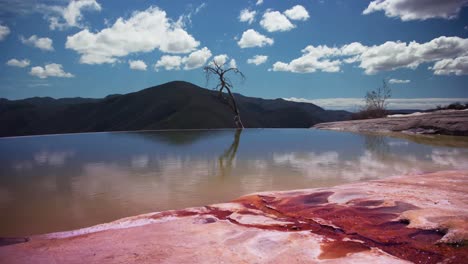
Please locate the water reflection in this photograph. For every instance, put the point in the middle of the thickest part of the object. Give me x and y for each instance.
(226, 159)
(377, 145)
(71, 181)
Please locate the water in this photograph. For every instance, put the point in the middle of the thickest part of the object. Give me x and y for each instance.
(63, 182)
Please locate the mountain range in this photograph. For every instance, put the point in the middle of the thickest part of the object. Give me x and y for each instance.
(173, 105)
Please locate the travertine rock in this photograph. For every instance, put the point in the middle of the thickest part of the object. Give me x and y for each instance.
(448, 122)
(411, 218)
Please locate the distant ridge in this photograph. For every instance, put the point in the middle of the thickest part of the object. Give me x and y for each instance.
(173, 105)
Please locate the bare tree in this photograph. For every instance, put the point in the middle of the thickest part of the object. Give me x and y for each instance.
(377, 100)
(376, 103)
(221, 72)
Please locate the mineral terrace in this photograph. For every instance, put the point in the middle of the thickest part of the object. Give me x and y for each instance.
(413, 218)
(445, 122)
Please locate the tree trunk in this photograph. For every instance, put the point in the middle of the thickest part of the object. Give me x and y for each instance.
(237, 118)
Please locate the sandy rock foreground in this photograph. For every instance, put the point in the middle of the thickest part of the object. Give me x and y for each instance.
(416, 218)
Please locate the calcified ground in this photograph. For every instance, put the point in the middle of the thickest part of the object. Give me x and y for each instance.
(445, 122)
(412, 218)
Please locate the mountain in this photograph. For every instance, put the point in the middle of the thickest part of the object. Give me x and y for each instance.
(174, 105)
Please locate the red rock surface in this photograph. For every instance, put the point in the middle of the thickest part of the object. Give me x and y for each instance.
(413, 218)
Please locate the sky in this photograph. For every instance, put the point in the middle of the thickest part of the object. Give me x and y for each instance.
(328, 52)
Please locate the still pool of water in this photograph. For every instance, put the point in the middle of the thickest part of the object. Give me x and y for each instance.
(62, 182)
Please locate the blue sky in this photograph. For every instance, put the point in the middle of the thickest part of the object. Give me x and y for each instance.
(314, 50)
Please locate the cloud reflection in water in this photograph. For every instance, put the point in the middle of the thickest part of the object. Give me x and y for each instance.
(79, 180)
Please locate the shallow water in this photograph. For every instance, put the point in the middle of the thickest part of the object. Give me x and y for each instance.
(62, 182)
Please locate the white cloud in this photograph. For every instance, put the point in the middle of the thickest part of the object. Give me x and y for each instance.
(457, 66)
(50, 70)
(275, 21)
(448, 53)
(417, 9)
(232, 63)
(221, 59)
(313, 59)
(18, 63)
(38, 83)
(71, 15)
(144, 31)
(297, 12)
(41, 43)
(398, 81)
(354, 104)
(257, 59)
(251, 38)
(169, 62)
(187, 18)
(259, 2)
(199, 8)
(196, 59)
(247, 16)
(393, 55)
(137, 65)
(4, 31)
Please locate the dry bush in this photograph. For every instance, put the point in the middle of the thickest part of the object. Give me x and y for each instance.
(376, 103)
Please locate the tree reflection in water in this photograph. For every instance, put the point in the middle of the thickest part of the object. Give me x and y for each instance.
(226, 159)
(377, 144)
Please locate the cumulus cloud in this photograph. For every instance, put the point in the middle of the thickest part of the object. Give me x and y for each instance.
(297, 12)
(144, 31)
(398, 81)
(393, 103)
(251, 38)
(220, 59)
(137, 65)
(259, 2)
(4, 31)
(457, 66)
(247, 16)
(194, 60)
(197, 59)
(232, 63)
(393, 55)
(40, 43)
(417, 9)
(169, 62)
(257, 59)
(50, 70)
(275, 21)
(313, 59)
(18, 63)
(448, 53)
(71, 15)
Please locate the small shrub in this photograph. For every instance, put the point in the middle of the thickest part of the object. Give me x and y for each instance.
(457, 106)
(452, 106)
(369, 114)
(376, 103)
